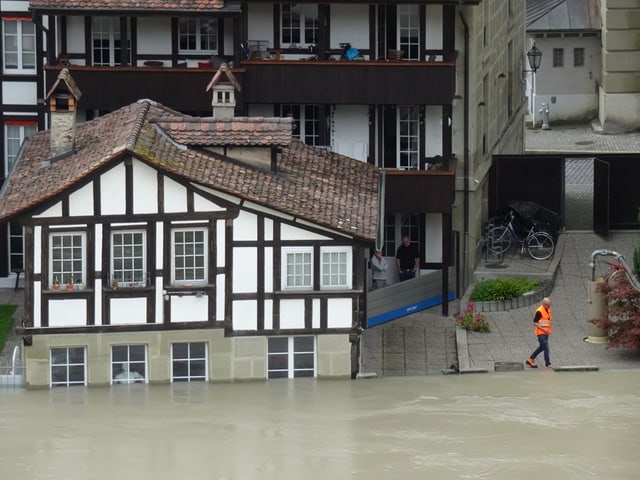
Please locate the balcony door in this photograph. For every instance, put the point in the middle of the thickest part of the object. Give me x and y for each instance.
(401, 137)
(399, 28)
(106, 41)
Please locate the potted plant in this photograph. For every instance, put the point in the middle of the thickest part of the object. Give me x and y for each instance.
(114, 284)
(56, 283)
(69, 285)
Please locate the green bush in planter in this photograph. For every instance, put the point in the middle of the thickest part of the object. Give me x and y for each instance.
(498, 289)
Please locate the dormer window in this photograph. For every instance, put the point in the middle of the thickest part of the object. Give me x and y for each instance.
(224, 97)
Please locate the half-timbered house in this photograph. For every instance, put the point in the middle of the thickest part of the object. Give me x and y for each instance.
(162, 247)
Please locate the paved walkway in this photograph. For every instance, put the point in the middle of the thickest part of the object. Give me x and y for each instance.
(426, 343)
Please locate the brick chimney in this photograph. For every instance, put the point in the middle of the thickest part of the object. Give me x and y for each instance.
(63, 101)
(224, 93)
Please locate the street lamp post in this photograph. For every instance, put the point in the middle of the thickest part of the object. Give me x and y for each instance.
(534, 57)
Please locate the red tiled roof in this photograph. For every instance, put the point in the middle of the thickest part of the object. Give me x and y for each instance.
(239, 131)
(321, 187)
(174, 5)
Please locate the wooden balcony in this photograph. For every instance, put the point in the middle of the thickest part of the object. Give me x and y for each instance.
(421, 191)
(359, 82)
(109, 88)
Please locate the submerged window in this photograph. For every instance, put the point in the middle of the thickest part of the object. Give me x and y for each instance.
(291, 357)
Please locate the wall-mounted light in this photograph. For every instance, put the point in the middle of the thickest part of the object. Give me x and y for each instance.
(534, 57)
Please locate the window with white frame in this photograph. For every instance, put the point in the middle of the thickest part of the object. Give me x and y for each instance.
(335, 268)
(409, 31)
(408, 137)
(188, 362)
(291, 357)
(306, 124)
(128, 259)
(107, 41)
(189, 255)
(15, 133)
(128, 364)
(16, 246)
(297, 268)
(67, 257)
(68, 366)
(398, 224)
(298, 25)
(198, 35)
(19, 45)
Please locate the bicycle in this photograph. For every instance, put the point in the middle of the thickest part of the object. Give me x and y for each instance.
(538, 244)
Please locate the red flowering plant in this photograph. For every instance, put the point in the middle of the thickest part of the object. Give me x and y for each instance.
(622, 319)
(473, 321)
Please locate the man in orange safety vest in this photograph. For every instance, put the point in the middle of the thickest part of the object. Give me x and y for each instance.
(543, 325)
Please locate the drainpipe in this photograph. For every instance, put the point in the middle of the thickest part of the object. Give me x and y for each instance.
(381, 209)
(465, 207)
(620, 258)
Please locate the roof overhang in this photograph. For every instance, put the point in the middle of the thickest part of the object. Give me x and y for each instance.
(128, 7)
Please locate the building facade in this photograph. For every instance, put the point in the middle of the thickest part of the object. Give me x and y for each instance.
(410, 87)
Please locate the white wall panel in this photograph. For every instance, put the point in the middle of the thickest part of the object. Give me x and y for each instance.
(81, 201)
(19, 93)
(339, 312)
(260, 23)
(268, 314)
(245, 227)
(220, 243)
(153, 35)
(350, 135)
(175, 196)
(245, 272)
(201, 204)
(97, 301)
(15, 6)
(315, 319)
(37, 250)
(75, 35)
(220, 297)
(288, 232)
(292, 313)
(159, 245)
(268, 269)
(245, 315)
(433, 127)
(97, 245)
(268, 229)
(145, 191)
(350, 23)
(112, 191)
(127, 311)
(53, 211)
(37, 304)
(68, 312)
(159, 300)
(189, 308)
(434, 27)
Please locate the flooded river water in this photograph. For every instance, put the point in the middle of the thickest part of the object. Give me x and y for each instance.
(521, 425)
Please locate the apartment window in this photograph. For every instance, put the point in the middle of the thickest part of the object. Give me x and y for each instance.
(408, 137)
(66, 258)
(198, 35)
(335, 270)
(68, 366)
(558, 57)
(297, 268)
(298, 25)
(189, 362)
(19, 45)
(409, 31)
(307, 123)
(107, 41)
(291, 357)
(128, 364)
(578, 57)
(15, 133)
(128, 262)
(189, 253)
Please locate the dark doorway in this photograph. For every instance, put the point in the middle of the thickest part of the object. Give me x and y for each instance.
(578, 188)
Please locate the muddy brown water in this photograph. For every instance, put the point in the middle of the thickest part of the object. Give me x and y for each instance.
(521, 425)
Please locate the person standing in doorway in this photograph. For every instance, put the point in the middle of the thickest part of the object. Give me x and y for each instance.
(543, 326)
(379, 267)
(407, 258)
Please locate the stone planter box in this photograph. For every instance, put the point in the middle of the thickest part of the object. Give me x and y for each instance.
(525, 300)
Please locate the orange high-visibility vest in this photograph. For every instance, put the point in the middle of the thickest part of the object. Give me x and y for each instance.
(544, 326)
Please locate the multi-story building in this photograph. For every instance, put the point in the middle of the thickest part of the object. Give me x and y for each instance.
(426, 90)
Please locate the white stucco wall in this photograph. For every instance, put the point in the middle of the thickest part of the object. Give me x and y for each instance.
(350, 24)
(19, 93)
(152, 35)
(260, 22)
(350, 131)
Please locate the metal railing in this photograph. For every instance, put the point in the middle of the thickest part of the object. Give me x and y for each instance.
(13, 376)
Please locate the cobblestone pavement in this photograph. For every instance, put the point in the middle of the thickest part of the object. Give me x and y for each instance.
(579, 139)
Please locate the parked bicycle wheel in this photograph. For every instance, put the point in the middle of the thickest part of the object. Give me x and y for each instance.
(498, 240)
(540, 245)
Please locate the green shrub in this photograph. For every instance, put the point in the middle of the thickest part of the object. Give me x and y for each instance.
(502, 289)
(6, 322)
